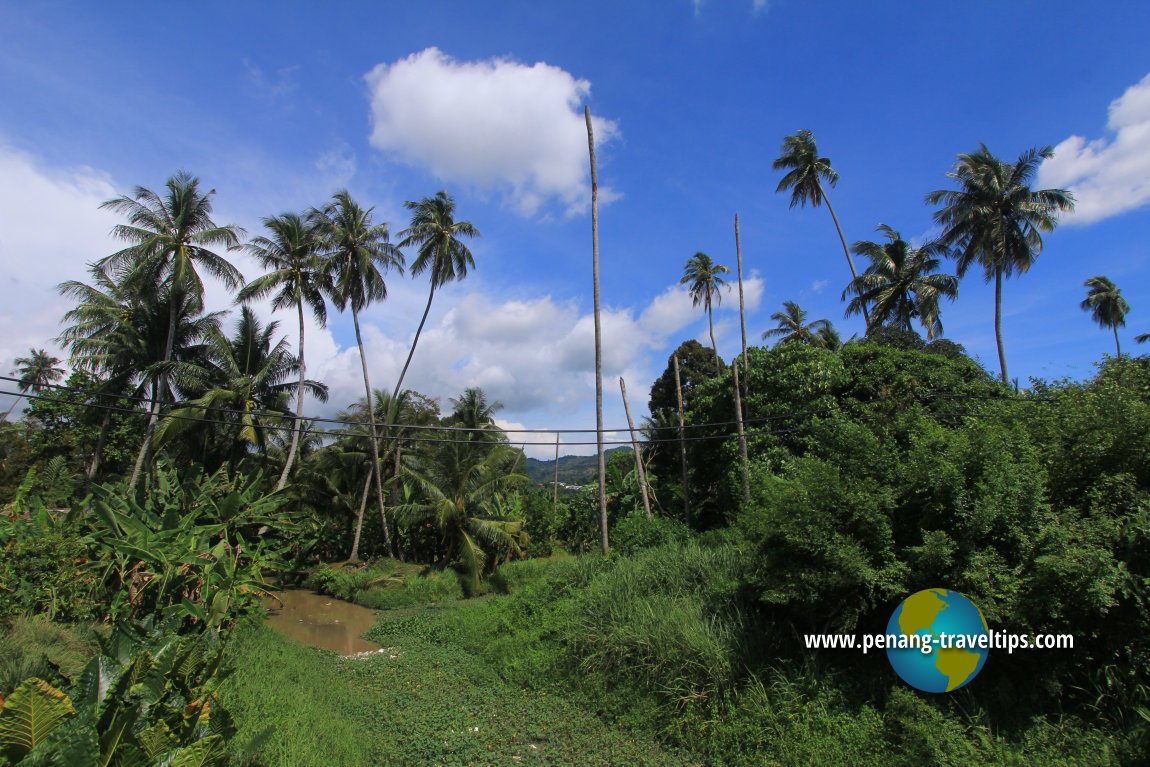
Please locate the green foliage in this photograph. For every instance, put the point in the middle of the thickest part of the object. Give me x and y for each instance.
(635, 532)
(43, 565)
(825, 545)
(149, 698)
(191, 549)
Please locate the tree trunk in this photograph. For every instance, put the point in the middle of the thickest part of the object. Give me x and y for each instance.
(744, 461)
(374, 436)
(158, 390)
(13, 407)
(354, 556)
(98, 453)
(298, 407)
(998, 323)
(640, 472)
(393, 407)
(1117, 345)
(153, 417)
(714, 346)
(598, 333)
(846, 252)
(682, 445)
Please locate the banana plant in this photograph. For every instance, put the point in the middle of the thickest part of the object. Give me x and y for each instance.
(193, 550)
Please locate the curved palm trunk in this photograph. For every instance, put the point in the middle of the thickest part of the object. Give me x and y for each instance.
(598, 334)
(394, 406)
(374, 436)
(998, 323)
(298, 406)
(354, 556)
(158, 389)
(1117, 345)
(14, 404)
(846, 251)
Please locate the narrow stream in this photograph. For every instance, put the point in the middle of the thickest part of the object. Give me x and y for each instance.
(321, 621)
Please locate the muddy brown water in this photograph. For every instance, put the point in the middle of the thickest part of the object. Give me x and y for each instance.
(321, 621)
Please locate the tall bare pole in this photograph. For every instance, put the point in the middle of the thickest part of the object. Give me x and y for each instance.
(555, 490)
(745, 464)
(742, 306)
(640, 471)
(682, 443)
(598, 333)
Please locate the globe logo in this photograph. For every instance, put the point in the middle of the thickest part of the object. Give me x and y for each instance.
(942, 640)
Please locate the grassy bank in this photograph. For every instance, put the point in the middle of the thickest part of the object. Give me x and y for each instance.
(599, 661)
(669, 641)
(426, 700)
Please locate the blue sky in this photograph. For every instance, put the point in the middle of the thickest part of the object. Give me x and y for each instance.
(278, 105)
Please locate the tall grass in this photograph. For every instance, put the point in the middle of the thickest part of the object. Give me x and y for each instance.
(668, 639)
(36, 646)
(312, 710)
(387, 584)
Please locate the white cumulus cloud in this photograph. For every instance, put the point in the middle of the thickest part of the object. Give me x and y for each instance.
(1108, 176)
(495, 125)
(51, 227)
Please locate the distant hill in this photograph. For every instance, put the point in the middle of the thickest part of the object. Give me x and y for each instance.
(573, 469)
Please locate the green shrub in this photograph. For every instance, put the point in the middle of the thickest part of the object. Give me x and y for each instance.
(513, 576)
(428, 588)
(42, 571)
(635, 532)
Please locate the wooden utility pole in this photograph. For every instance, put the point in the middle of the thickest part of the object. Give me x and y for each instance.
(742, 306)
(682, 443)
(555, 492)
(598, 333)
(745, 463)
(640, 472)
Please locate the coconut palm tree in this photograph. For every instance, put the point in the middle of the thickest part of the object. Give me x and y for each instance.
(826, 337)
(1106, 305)
(473, 411)
(703, 276)
(296, 276)
(459, 489)
(793, 326)
(437, 236)
(806, 173)
(994, 219)
(357, 417)
(250, 381)
(1142, 338)
(900, 283)
(36, 372)
(120, 331)
(171, 236)
(358, 252)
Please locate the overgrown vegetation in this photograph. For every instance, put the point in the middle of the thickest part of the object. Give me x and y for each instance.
(149, 499)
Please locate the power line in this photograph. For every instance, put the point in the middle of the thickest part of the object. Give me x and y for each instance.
(464, 429)
(655, 441)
